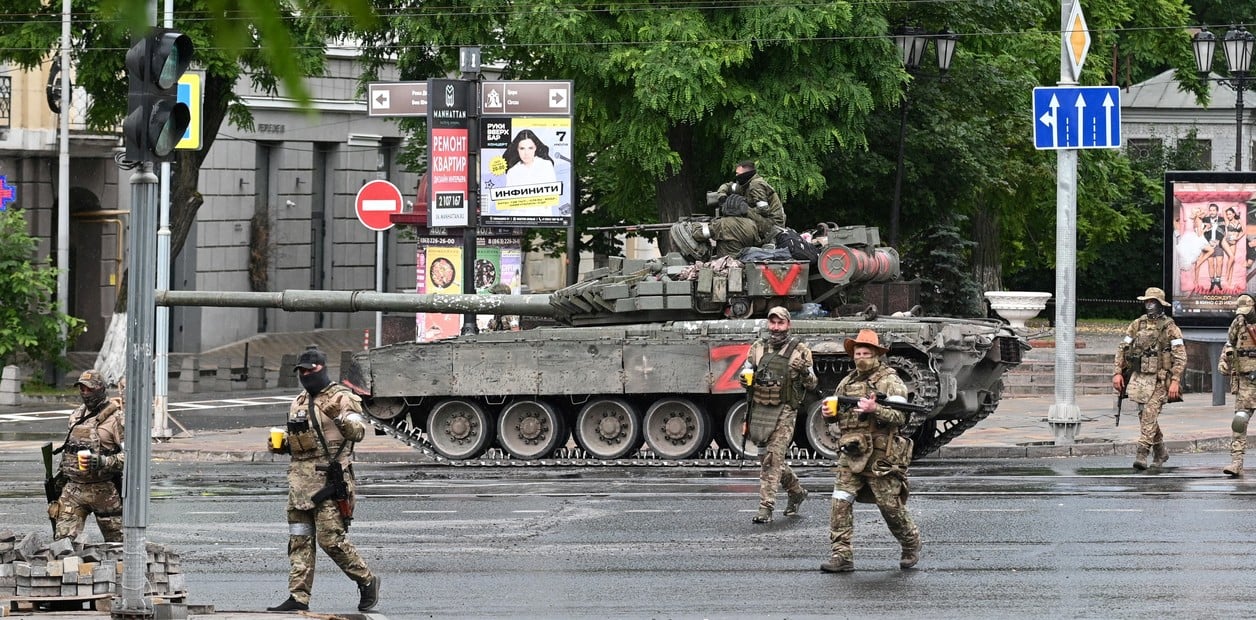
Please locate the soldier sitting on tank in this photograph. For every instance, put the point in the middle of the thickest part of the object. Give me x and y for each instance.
(734, 229)
(502, 322)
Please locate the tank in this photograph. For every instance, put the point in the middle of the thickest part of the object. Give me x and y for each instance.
(640, 367)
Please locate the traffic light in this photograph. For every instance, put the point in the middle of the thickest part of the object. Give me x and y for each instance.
(156, 120)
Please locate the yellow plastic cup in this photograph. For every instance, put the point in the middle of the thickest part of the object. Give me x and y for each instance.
(829, 406)
(83, 456)
(277, 436)
(747, 375)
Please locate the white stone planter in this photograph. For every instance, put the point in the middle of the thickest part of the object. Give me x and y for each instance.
(1017, 306)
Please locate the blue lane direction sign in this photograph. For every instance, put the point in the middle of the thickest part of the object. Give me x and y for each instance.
(1077, 117)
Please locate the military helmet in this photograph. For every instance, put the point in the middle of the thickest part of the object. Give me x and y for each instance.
(1156, 294)
(1245, 304)
(91, 379)
(311, 357)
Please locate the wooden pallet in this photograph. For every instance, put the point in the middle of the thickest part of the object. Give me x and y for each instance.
(27, 604)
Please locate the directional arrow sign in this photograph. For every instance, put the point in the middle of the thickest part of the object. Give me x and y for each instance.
(396, 99)
(1077, 117)
(525, 97)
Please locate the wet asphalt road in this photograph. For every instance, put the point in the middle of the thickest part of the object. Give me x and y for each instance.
(1080, 537)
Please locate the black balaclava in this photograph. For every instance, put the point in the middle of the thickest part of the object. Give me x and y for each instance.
(314, 382)
(744, 178)
(1154, 309)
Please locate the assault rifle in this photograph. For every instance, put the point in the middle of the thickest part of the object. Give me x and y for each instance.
(745, 429)
(1122, 395)
(882, 399)
(336, 489)
(52, 483)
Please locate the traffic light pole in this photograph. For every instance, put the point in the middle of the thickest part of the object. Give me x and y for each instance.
(141, 306)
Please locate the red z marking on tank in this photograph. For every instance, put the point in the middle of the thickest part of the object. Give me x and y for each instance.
(734, 355)
(781, 286)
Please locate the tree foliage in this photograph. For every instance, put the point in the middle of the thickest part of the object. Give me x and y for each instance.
(30, 323)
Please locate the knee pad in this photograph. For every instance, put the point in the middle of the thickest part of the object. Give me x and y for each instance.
(843, 496)
(1239, 423)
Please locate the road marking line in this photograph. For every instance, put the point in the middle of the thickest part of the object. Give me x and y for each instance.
(997, 510)
(1113, 510)
(541, 512)
(429, 512)
(210, 512)
(655, 510)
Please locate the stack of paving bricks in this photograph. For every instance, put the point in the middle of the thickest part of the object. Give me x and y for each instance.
(74, 569)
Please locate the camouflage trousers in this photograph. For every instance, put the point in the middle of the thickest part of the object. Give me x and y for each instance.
(1149, 417)
(891, 497)
(80, 499)
(1238, 445)
(324, 525)
(774, 473)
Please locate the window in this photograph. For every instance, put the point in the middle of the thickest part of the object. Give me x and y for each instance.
(1138, 148)
(1202, 150)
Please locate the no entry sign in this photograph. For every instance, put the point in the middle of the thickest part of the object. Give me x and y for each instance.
(375, 204)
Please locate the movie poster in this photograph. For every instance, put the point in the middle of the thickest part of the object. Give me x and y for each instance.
(1212, 257)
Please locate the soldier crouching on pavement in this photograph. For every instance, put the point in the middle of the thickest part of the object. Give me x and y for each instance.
(324, 422)
(781, 372)
(91, 462)
(1238, 360)
(1153, 356)
(874, 457)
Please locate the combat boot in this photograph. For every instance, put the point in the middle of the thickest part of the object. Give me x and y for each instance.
(910, 556)
(1162, 455)
(795, 501)
(1235, 468)
(838, 564)
(368, 594)
(1140, 460)
(291, 604)
(763, 516)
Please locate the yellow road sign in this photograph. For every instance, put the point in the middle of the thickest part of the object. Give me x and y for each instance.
(190, 93)
(1076, 39)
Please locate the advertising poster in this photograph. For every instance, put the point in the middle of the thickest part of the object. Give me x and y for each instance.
(448, 153)
(488, 263)
(525, 171)
(512, 268)
(440, 273)
(1212, 258)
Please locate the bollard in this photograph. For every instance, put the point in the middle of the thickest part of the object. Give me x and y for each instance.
(288, 378)
(224, 375)
(11, 386)
(257, 373)
(189, 375)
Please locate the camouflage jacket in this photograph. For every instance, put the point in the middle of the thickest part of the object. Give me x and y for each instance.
(101, 433)
(885, 450)
(1154, 354)
(732, 234)
(338, 414)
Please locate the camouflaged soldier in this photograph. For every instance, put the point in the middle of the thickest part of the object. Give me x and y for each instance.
(1153, 355)
(872, 466)
(324, 422)
(1238, 360)
(782, 371)
(761, 197)
(91, 463)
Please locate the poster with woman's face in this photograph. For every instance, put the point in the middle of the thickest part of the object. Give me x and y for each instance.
(525, 171)
(1212, 263)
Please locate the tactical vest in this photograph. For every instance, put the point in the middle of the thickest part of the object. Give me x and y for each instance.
(1244, 348)
(882, 450)
(773, 379)
(1151, 351)
(302, 438)
(88, 435)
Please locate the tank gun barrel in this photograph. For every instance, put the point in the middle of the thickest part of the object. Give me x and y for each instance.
(354, 301)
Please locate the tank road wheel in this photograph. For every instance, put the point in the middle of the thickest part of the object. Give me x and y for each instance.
(732, 431)
(459, 429)
(530, 429)
(676, 428)
(387, 408)
(821, 433)
(608, 428)
(921, 383)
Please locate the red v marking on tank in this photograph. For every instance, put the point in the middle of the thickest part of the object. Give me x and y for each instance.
(736, 356)
(780, 286)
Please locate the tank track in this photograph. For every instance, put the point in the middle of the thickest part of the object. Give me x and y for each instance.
(956, 429)
(576, 457)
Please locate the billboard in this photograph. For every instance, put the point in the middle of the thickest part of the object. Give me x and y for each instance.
(525, 171)
(1210, 242)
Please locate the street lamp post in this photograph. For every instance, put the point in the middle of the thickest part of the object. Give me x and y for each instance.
(1237, 45)
(912, 41)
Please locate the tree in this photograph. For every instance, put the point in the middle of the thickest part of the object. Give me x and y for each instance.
(30, 323)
